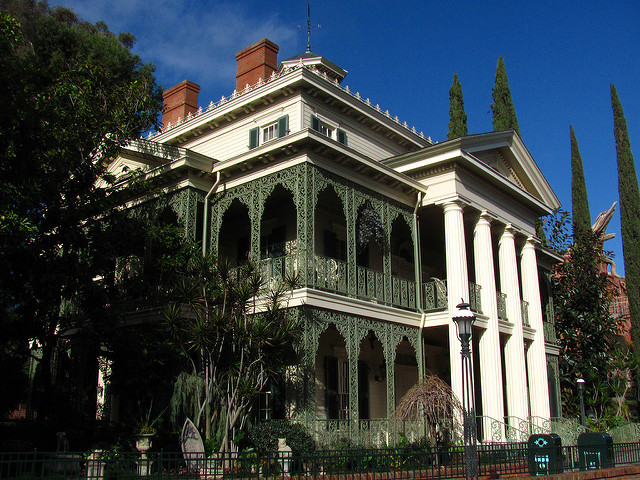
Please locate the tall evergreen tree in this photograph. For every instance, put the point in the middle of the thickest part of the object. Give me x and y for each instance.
(504, 113)
(457, 115)
(579, 200)
(629, 213)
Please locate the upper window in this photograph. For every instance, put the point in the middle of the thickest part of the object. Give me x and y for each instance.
(269, 132)
(278, 129)
(320, 126)
(327, 130)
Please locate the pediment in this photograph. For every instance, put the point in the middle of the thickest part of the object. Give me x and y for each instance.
(505, 153)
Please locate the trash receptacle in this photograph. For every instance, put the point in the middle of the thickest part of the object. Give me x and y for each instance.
(544, 454)
(595, 450)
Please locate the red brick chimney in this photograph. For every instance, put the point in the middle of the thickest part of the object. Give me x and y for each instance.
(179, 101)
(257, 61)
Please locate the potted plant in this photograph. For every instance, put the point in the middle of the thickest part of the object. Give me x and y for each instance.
(146, 428)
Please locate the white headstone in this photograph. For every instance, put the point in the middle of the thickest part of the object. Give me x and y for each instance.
(192, 447)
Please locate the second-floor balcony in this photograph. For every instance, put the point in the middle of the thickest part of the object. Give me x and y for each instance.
(332, 275)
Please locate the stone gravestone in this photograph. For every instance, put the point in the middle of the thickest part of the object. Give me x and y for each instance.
(192, 448)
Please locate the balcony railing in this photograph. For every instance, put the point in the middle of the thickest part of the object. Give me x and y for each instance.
(550, 333)
(524, 305)
(502, 306)
(475, 301)
(332, 275)
(435, 295)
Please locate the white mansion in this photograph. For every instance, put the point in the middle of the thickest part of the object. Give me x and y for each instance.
(293, 167)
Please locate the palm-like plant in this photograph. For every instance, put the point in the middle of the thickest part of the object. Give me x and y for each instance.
(237, 334)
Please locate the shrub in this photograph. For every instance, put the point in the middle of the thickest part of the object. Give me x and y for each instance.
(264, 437)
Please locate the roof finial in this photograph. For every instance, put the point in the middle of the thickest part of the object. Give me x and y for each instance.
(309, 26)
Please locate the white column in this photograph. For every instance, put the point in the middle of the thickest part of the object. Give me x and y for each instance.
(490, 364)
(536, 356)
(515, 372)
(457, 283)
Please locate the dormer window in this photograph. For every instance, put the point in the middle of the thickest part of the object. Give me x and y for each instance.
(319, 126)
(268, 132)
(328, 131)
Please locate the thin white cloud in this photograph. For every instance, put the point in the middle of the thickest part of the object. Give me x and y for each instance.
(195, 40)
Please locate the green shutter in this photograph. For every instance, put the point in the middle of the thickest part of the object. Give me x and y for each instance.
(342, 137)
(283, 126)
(253, 137)
(315, 123)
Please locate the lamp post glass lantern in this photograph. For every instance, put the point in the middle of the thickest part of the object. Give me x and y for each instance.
(464, 322)
(583, 417)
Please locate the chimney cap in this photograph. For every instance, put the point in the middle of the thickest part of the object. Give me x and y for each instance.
(264, 42)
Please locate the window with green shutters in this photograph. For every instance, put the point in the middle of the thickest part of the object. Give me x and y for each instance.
(283, 126)
(277, 129)
(341, 136)
(254, 133)
(320, 126)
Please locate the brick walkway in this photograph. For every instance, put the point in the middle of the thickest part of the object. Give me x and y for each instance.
(628, 472)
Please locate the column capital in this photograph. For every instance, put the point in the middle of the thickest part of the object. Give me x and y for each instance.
(509, 231)
(484, 217)
(532, 241)
(453, 205)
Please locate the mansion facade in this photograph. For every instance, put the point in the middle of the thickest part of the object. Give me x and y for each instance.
(386, 232)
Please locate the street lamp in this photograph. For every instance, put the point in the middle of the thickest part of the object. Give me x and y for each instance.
(464, 319)
(583, 418)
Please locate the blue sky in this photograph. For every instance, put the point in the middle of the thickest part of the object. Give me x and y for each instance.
(560, 57)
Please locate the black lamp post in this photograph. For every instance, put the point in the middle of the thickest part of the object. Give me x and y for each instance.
(464, 320)
(583, 417)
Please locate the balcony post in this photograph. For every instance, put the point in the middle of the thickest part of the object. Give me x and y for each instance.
(489, 344)
(539, 396)
(515, 374)
(457, 282)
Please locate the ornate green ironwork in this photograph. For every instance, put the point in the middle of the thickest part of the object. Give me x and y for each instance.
(550, 336)
(353, 329)
(502, 305)
(475, 297)
(306, 182)
(524, 306)
(435, 295)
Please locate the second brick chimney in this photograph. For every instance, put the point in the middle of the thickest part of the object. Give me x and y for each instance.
(179, 101)
(257, 61)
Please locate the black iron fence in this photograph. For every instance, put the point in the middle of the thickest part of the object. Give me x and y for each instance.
(357, 464)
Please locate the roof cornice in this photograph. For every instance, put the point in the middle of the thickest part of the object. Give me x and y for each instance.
(463, 148)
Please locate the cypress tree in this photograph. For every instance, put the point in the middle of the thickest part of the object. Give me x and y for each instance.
(629, 214)
(579, 200)
(457, 116)
(504, 113)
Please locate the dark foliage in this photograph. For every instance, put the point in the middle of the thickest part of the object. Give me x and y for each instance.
(73, 94)
(629, 213)
(504, 113)
(457, 115)
(264, 437)
(579, 199)
(585, 328)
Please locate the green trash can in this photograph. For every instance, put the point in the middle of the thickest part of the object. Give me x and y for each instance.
(595, 450)
(544, 454)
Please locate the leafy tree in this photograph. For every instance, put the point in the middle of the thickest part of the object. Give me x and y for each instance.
(457, 116)
(73, 94)
(553, 231)
(629, 214)
(585, 328)
(504, 113)
(236, 333)
(579, 199)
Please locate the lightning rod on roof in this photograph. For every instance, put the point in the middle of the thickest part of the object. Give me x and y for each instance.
(309, 27)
